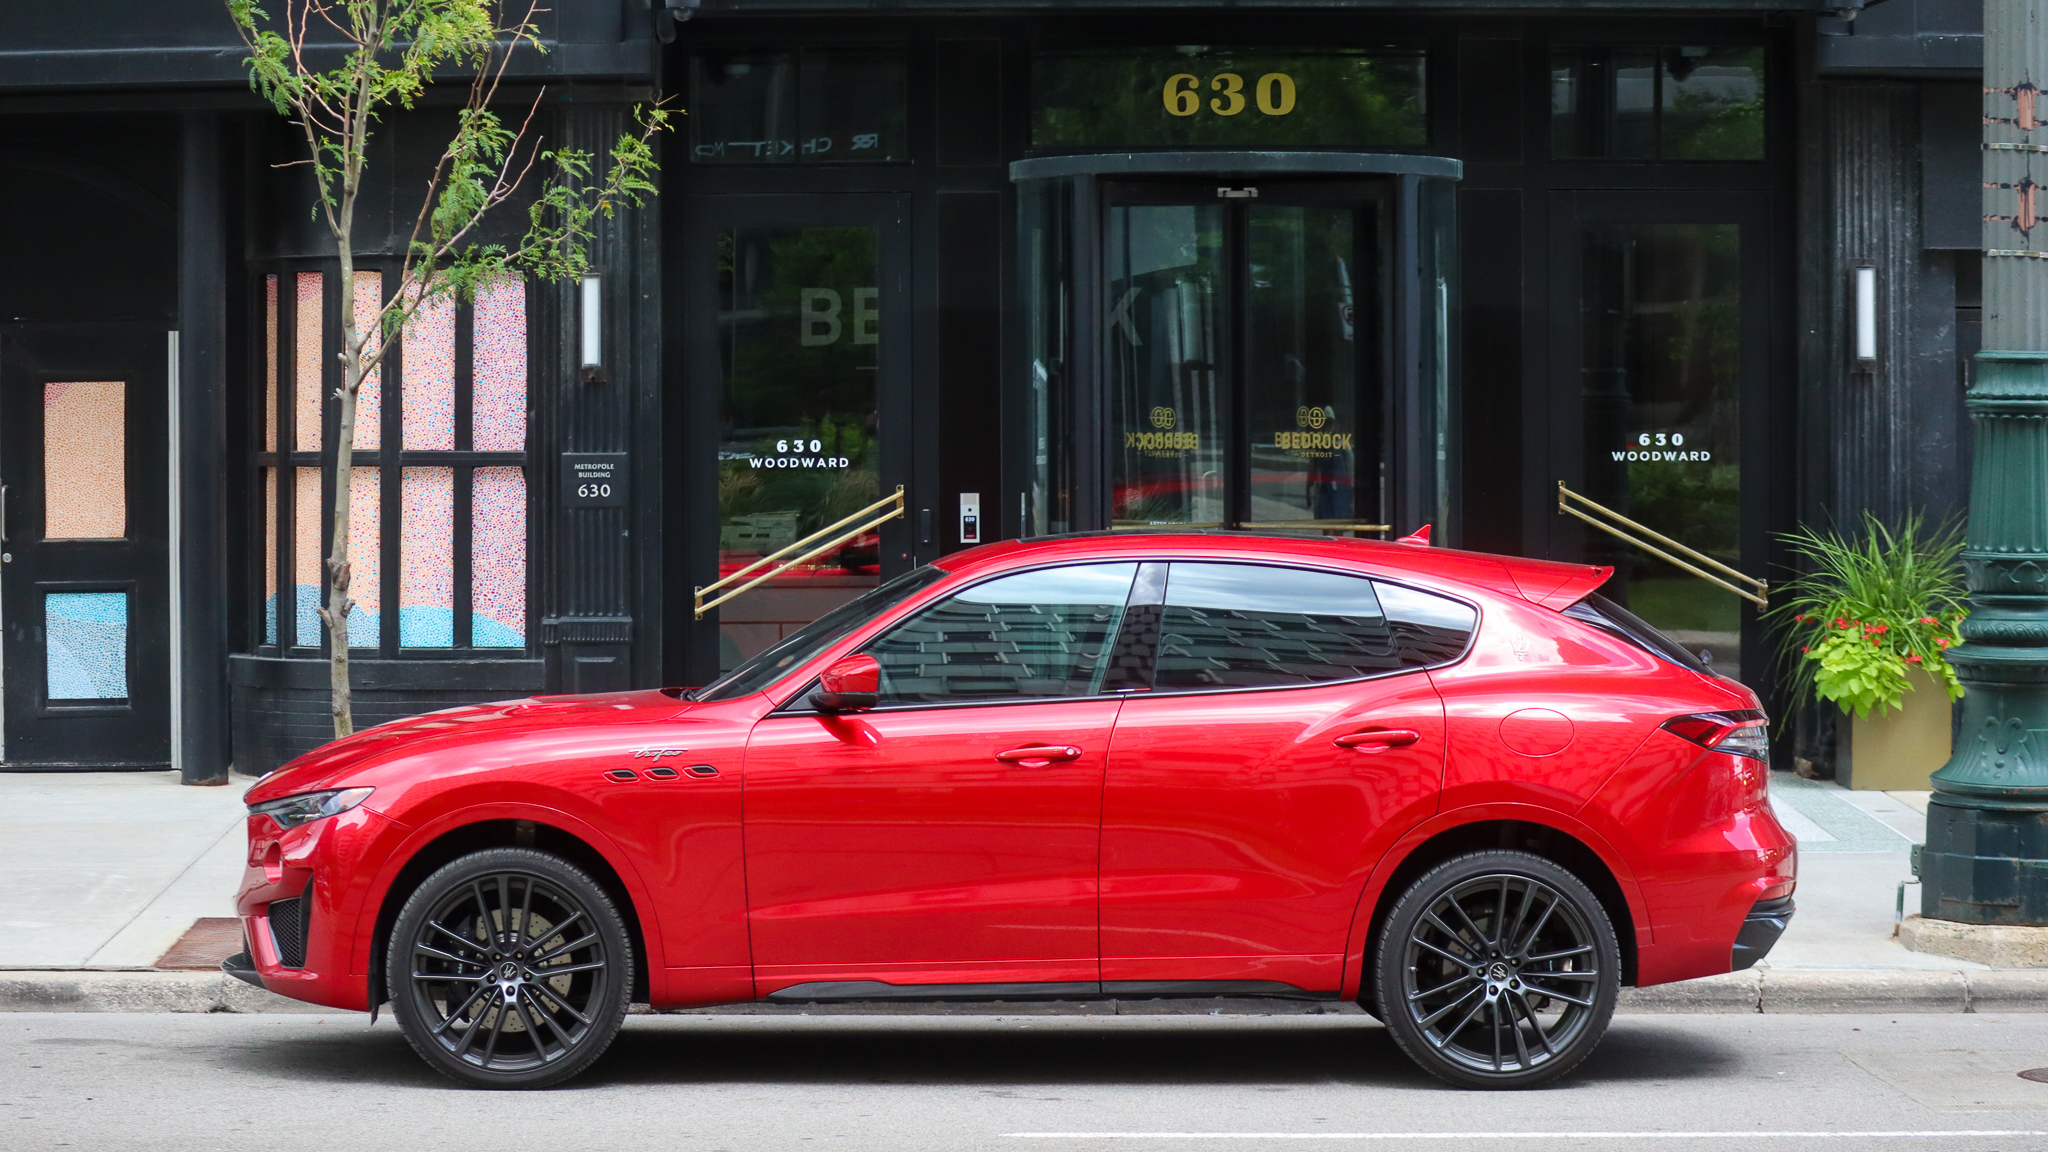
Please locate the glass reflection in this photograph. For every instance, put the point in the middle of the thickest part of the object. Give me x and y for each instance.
(1661, 348)
(1304, 405)
(1168, 366)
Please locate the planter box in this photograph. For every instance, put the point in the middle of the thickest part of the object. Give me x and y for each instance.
(1897, 751)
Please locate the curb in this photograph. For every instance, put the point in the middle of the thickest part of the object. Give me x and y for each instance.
(1796, 991)
(141, 991)
(1816, 991)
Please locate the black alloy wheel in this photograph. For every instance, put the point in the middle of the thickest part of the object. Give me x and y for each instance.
(509, 968)
(1498, 969)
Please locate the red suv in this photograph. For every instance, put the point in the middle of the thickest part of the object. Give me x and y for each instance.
(1461, 790)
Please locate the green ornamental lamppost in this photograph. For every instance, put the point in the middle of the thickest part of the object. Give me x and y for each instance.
(1986, 860)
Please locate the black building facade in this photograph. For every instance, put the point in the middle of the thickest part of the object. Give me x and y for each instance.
(1341, 268)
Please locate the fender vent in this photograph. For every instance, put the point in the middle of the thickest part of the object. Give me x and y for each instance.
(288, 929)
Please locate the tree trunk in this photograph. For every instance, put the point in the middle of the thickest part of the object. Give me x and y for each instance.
(338, 573)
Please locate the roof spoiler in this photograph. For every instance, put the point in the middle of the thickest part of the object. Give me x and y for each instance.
(1555, 585)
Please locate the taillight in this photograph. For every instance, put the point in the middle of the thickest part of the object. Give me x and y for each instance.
(1745, 733)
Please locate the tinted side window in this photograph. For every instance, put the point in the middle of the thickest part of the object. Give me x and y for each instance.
(1254, 626)
(1028, 636)
(1428, 629)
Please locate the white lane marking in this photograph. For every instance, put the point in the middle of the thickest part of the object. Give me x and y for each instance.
(1924, 1134)
(1786, 1135)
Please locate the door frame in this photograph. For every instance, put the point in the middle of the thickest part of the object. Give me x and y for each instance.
(1554, 441)
(1079, 180)
(148, 481)
(690, 443)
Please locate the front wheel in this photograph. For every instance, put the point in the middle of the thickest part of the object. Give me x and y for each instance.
(509, 968)
(1497, 969)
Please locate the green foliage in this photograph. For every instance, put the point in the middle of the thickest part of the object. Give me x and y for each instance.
(389, 52)
(1873, 608)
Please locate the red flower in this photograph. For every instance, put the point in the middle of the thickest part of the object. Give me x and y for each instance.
(1929, 620)
(1804, 648)
(1941, 640)
(1841, 623)
(1912, 659)
(1881, 629)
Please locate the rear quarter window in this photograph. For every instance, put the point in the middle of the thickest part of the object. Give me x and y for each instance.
(1260, 626)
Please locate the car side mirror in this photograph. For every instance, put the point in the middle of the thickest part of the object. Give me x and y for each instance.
(852, 685)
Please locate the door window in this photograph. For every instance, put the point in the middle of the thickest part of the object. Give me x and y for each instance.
(86, 655)
(1306, 425)
(1240, 344)
(1258, 626)
(1168, 363)
(1034, 635)
(85, 460)
(1660, 345)
(800, 328)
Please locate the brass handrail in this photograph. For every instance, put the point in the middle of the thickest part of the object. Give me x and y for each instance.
(893, 503)
(1760, 595)
(1318, 525)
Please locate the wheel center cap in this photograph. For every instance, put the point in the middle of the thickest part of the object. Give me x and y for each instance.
(508, 971)
(1498, 973)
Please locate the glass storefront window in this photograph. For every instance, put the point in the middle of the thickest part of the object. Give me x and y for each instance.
(1168, 360)
(437, 496)
(817, 106)
(1180, 96)
(799, 416)
(1685, 102)
(1660, 341)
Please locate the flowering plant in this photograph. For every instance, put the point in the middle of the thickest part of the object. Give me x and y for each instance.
(1872, 609)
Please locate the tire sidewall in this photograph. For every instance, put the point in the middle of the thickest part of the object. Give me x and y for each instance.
(1389, 962)
(607, 1015)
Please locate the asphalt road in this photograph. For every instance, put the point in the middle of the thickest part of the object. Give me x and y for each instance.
(168, 1083)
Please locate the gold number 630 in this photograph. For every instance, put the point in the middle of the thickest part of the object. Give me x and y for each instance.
(1274, 93)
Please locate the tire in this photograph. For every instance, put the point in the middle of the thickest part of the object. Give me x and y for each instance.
(1466, 1001)
(451, 980)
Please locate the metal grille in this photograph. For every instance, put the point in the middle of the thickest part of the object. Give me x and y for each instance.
(288, 930)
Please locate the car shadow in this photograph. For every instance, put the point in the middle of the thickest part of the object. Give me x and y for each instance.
(1275, 1052)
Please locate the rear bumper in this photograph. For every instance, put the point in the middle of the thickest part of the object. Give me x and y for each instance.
(1760, 930)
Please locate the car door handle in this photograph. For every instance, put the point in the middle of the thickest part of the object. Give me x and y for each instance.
(1038, 756)
(1379, 739)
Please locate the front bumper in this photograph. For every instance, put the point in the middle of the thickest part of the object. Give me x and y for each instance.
(1760, 930)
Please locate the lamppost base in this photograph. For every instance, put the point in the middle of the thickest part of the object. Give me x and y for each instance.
(1995, 945)
(1984, 865)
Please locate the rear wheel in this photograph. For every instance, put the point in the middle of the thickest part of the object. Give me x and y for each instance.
(1497, 969)
(509, 968)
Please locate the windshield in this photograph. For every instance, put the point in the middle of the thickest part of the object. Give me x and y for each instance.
(1610, 617)
(818, 635)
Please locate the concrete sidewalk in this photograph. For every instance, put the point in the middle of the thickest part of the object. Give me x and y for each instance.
(100, 873)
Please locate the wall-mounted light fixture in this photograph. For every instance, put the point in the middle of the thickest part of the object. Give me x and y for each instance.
(593, 329)
(1863, 315)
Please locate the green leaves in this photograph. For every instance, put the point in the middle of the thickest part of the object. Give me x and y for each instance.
(1872, 609)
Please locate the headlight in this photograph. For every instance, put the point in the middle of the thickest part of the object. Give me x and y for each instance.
(307, 807)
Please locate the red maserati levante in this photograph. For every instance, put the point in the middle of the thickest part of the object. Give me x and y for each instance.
(1464, 791)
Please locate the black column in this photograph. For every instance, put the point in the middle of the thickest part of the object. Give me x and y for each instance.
(591, 561)
(199, 410)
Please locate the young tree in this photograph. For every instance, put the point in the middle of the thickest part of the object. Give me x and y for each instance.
(388, 53)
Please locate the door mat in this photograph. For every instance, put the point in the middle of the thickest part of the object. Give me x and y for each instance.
(210, 940)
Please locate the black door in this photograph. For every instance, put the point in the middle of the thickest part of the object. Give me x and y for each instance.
(794, 411)
(1662, 406)
(84, 586)
(1244, 358)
